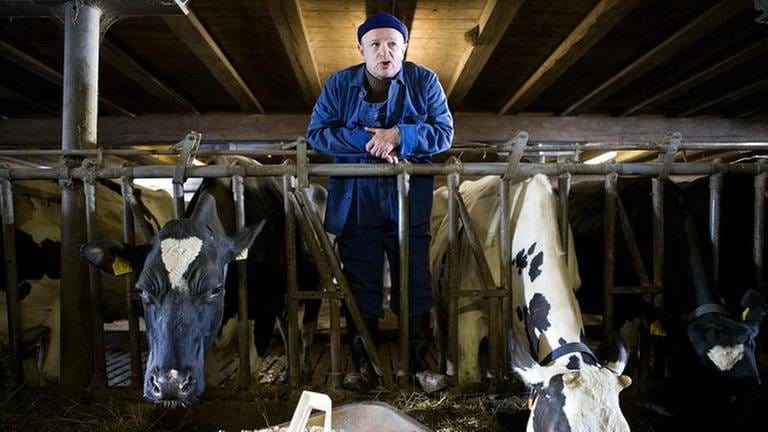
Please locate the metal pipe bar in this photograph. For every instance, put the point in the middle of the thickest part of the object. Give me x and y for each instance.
(244, 339)
(453, 273)
(657, 197)
(629, 238)
(321, 261)
(99, 378)
(564, 192)
(291, 281)
(335, 339)
(373, 170)
(758, 250)
(532, 148)
(505, 252)
(131, 303)
(403, 220)
(715, 199)
(494, 326)
(609, 252)
(382, 369)
(11, 276)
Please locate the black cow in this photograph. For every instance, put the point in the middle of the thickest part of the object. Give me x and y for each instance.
(712, 344)
(188, 287)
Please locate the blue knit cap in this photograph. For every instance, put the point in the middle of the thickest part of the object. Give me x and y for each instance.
(381, 20)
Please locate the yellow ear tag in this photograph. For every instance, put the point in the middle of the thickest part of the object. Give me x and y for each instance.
(120, 267)
(657, 329)
(242, 255)
(744, 314)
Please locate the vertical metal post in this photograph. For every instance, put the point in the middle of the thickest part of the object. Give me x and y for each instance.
(178, 200)
(506, 262)
(758, 249)
(609, 253)
(453, 274)
(11, 277)
(564, 190)
(403, 183)
(715, 193)
(335, 312)
(657, 187)
(99, 379)
(292, 286)
(79, 118)
(244, 338)
(131, 302)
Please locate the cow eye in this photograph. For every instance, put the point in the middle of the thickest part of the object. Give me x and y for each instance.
(143, 295)
(216, 291)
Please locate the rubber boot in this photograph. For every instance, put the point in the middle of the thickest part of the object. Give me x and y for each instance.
(363, 378)
(418, 336)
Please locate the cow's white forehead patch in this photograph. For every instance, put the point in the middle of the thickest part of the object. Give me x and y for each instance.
(177, 255)
(726, 357)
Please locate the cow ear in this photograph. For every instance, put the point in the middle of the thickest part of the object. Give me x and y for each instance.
(522, 362)
(205, 209)
(114, 258)
(242, 241)
(754, 306)
(613, 352)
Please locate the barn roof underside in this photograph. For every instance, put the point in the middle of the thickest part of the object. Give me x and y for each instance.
(231, 67)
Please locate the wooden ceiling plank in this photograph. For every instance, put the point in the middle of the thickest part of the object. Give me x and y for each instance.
(197, 38)
(146, 80)
(118, 132)
(738, 93)
(721, 67)
(42, 8)
(50, 74)
(6, 93)
(493, 23)
(286, 15)
(600, 20)
(700, 26)
(752, 111)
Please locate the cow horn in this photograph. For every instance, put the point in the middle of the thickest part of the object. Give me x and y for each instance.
(625, 381)
(570, 378)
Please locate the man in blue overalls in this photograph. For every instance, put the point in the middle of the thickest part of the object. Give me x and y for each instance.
(382, 111)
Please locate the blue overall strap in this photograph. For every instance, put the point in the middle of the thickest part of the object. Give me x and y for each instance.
(571, 347)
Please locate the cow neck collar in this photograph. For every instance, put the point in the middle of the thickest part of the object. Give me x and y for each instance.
(705, 309)
(569, 348)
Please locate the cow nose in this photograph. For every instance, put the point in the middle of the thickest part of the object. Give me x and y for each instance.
(170, 384)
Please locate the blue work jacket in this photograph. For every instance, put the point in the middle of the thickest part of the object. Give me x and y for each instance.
(416, 104)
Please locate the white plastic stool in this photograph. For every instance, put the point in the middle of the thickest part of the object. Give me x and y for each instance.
(307, 402)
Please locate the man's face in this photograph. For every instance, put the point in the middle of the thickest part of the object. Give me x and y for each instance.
(383, 50)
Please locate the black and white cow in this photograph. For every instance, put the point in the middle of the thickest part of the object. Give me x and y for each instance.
(38, 249)
(573, 390)
(188, 286)
(712, 342)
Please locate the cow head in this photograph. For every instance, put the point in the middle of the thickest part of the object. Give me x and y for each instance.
(727, 345)
(181, 284)
(574, 394)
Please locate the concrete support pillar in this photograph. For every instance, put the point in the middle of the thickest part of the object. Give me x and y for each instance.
(79, 117)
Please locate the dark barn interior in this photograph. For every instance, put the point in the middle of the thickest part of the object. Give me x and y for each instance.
(665, 89)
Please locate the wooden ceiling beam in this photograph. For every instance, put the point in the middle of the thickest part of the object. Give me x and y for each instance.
(721, 67)
(158, 128)
(703, 24)
(42, 8)
(286, 15)
(752, 111)
(196, 37)
(50, 74)
(493, 23)
(602, 19)
(404, 10)
(6, 93)
(743, 91)
(145, 79)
